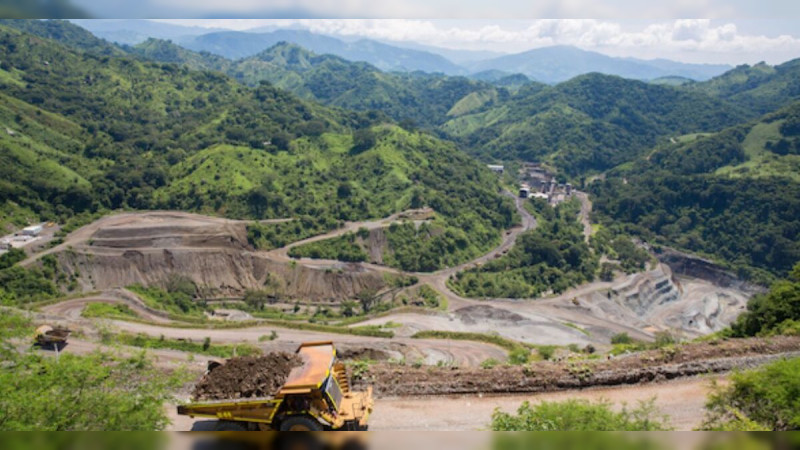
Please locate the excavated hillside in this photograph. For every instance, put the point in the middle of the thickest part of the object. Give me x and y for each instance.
(148, 248)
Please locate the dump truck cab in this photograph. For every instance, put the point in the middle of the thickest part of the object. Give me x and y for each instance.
(316, 396)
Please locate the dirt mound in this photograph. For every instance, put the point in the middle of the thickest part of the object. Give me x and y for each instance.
(246, 377)
(665, 364)
(363, 353)
(481, 313)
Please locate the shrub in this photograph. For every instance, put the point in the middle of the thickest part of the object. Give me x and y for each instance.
(489, 363)
(766, 398)
(621, 338)
(519, 356)
(546, 351)
(579, 415)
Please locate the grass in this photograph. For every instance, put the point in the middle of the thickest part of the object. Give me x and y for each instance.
(760, 161)
(572, 325)
(185, 345)
(499, 341)
(106, 310)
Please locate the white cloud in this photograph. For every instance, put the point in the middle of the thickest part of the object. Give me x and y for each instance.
(691, 40)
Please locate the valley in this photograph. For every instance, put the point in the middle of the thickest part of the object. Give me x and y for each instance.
(169, 206)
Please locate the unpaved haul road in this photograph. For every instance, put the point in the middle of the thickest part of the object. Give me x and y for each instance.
(681, 400)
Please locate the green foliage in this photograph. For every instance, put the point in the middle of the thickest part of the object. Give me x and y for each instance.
(185, 345)
(590, 123)
(579, 415)
(519, 356)
(489, 363)
(546, 352)
(343, 248)
(429, 295)
(621, 338)
(11, 257)
(508, 344)
(777, 311)
(116, 310)
(267, 236)
(177, 301)
(95, 392)
(764, 398)
(19, 286)
(742, 223)
(553, 257)
(759, 88)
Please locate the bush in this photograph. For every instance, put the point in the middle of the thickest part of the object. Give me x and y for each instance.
(489, 363)
(766, 313)
(546, 351)
(519, 356)
(764, 398)
(579, 415)
(621, 338)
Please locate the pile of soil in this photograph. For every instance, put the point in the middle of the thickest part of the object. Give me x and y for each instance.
(247, 377)
(363, 353)
(665, 364)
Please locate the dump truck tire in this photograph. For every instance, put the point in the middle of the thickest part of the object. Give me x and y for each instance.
(227, 425)
(300, 423)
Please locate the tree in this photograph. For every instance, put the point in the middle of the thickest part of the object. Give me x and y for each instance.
(363, 139)
(367, 298)
(257, 299)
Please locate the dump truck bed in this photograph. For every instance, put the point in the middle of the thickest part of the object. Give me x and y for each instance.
(48, 335)
(317, 376)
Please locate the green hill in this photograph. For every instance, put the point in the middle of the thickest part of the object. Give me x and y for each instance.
(590, 123)
(732, 195)
(760, 88)
(87, 132)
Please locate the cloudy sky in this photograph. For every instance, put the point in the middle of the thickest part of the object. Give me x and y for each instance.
(732, 41)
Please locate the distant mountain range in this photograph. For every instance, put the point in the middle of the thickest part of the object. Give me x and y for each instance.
(548, 65)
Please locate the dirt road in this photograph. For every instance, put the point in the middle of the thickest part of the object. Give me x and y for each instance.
(682, 400)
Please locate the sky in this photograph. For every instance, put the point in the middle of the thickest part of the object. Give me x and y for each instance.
(729, 41)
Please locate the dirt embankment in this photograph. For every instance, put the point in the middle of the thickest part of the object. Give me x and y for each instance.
(694, 266)
(150, 247)
(247, 377)
(656, 365)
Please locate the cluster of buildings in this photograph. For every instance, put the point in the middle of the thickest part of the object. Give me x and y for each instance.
(539, 183)
(22, 237)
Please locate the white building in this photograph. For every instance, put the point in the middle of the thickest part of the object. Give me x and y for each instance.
(496, 168)
(32, 230)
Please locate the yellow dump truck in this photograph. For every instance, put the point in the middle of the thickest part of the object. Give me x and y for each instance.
(46, 336)
(316, 396)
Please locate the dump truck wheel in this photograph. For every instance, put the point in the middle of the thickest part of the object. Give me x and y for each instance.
(227, 425)
(300, 423)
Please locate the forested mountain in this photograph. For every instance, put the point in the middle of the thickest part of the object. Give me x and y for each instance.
(167, 52)
(237, 45)
(760, 88)
(733, 195)
(86, 132)
(424, 99)
(560, 63)
(590, 123)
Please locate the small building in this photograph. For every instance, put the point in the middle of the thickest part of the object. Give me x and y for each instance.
(5, 244)
(32, 230)
(541, 195)
(496, 168)
(524, 191)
